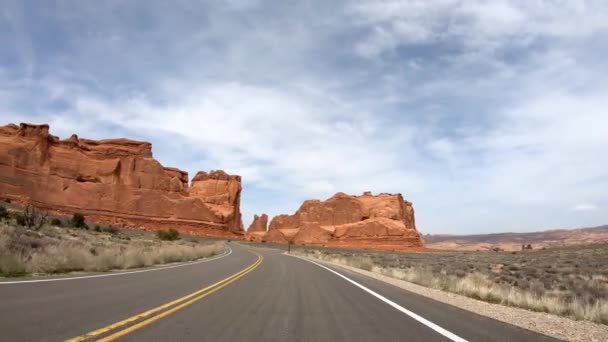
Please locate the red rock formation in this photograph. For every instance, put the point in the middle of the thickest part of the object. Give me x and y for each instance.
(259, 224)
(258, 227)
(114, 181)
(274, 236)
(384, 221)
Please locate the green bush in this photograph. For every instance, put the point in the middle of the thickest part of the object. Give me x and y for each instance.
(56, 222)
(78, 221)
(3, 212)
(168, 235)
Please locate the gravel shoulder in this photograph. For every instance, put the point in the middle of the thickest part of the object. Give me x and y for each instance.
(551, 325)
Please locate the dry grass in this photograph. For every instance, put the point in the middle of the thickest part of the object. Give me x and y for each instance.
(61, 250)
(586, 302)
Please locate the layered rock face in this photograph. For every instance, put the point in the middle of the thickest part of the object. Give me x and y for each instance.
(115, 181)
(385, 221)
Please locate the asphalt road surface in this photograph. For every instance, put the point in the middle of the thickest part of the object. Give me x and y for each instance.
(251, 294)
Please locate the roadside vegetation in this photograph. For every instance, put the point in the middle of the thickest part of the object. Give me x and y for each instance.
(570, 282)
(168, 235)
(31, 244)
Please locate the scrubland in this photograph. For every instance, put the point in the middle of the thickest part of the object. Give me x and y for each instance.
(62, 246)
(570, 282)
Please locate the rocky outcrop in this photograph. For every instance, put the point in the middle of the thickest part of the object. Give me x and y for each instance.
(259, 224)
(258, 227)
(385, 221)
(115, 181)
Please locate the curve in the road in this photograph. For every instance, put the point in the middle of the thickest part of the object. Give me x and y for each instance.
(164, 310)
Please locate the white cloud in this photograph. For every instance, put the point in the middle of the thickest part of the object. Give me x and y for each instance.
(275, 139)
(477, 24)
(585, 207)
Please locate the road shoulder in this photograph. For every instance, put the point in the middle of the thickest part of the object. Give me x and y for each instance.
(111, 273)
(550, 325)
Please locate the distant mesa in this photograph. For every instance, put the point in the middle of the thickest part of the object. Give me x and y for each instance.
(115, 181)
(520, 241)
(384, 221)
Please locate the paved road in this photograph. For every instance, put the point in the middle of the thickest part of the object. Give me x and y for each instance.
(270, 297)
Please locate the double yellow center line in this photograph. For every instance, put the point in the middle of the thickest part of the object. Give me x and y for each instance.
(147, 317)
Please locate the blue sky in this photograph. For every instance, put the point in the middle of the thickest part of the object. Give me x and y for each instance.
(488, 115)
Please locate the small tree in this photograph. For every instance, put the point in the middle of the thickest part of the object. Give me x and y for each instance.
(34, 218)
(78, 221)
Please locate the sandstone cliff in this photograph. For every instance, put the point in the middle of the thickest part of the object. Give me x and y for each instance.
(385, 221)
(115, 181)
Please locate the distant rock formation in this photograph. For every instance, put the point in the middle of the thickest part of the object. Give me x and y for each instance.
(259, 224)
(554, 238)
(258, 227)
(115, 181)
(385, 221)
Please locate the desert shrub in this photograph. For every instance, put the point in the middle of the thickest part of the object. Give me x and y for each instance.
(11, 266)
(56, 222)
(110, 229)
(363, 263)
(97, 228)
(33, 218)
(78, 221)
(3, 212)
(19, 218)
(168, 235)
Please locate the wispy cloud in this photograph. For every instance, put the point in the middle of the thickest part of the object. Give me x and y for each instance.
(488, 116)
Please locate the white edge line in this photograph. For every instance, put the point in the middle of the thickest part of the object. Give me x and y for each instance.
(413, 315)
(152, 268)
